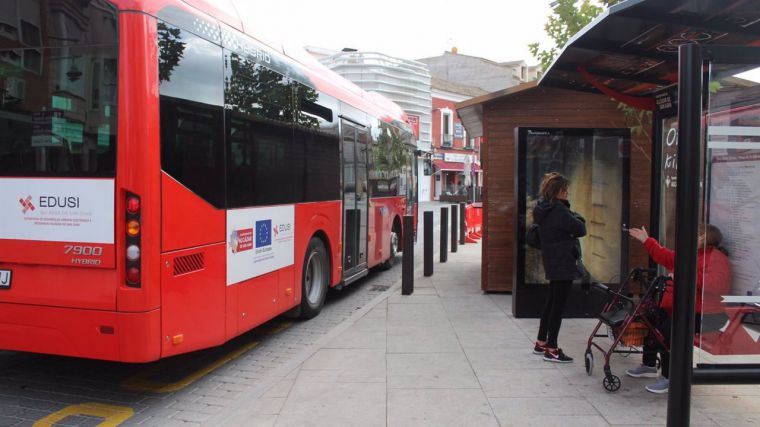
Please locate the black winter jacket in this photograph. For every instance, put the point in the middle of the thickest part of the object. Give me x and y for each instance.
(560, 228)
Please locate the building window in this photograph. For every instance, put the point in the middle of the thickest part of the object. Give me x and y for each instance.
(469, 143)
(447, 128)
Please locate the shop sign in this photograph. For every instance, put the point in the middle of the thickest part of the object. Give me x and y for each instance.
(415, 122)
(454, 157)
(458, 130)
(667, 103)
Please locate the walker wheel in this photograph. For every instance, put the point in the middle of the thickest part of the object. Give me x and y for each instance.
(611, 383)
(589, 359)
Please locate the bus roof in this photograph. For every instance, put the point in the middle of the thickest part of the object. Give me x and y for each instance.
(321, 77)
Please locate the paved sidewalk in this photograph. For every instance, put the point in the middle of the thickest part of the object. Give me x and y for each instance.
(450, 355)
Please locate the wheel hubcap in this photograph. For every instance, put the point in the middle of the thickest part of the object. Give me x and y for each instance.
(314, 277)
(394, 243)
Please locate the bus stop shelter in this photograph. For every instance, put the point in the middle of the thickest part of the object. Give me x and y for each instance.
(695, 64)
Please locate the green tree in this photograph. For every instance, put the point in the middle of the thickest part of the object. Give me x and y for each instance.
(390, 151)
(170, 48)
(568, 17)
(264, 93)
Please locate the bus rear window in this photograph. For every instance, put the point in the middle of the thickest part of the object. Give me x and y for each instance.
(58, 75)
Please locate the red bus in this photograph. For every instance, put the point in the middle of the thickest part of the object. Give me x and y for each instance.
(169, 182)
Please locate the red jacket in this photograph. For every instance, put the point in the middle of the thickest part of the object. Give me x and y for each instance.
(713, 276)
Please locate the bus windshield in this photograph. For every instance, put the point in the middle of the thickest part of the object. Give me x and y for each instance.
(58, 75)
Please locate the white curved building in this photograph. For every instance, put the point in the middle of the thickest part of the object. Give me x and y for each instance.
(405, 82)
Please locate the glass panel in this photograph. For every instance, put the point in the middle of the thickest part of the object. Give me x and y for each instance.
(669, 170)
(593, 161)
(728, 276)
(390, 161)
(350, 213)
(191, 87)
(58, 72)
(317, 131)
(362, 195)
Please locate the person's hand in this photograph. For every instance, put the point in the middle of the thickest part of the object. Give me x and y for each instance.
(639, 234)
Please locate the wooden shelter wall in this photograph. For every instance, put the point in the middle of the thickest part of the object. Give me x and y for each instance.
(546, 107)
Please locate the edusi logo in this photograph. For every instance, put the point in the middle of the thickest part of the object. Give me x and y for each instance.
(26, 204)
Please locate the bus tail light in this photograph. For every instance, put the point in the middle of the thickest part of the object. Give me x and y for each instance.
(133, 275)
(133, 205)
(133, 253)
(133, 208)
(133, 228)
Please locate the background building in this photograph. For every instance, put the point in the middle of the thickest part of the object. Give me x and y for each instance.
(428, 89)
(405, 82)
(479, 72)
(455, 155)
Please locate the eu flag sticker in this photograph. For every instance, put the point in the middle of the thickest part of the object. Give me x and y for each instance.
(263, 233)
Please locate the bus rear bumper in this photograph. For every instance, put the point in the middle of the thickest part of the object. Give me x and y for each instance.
(93, 334)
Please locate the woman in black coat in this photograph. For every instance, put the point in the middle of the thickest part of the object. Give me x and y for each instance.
(559, 228)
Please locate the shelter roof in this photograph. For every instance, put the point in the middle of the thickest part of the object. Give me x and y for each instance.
(632, 47)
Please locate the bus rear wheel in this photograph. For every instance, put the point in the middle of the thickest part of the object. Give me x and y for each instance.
(315, 279)
(395, 243)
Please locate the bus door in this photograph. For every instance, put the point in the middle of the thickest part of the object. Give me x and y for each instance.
(355, 198)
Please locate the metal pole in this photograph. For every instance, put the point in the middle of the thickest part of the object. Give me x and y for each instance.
(444, 250)
(407, 268)
(428, 243)
(454, 224)
(687, 218)
(462, 223)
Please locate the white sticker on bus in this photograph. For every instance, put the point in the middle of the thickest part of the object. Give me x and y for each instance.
(57, 210)
(259, 241)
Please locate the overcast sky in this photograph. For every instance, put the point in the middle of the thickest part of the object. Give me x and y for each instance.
(499, 30)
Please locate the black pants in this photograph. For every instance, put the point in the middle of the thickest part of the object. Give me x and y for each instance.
(652, 347)
(712, 322)
(551, 318)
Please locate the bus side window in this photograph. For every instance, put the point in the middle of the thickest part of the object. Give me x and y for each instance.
(192, 97)
(316, 130)
(262, 161)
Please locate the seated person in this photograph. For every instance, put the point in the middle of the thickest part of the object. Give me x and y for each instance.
(713, 280)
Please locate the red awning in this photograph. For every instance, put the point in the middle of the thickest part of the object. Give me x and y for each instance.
(453, 166)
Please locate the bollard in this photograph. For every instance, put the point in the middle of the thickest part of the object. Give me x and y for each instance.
(428, 243)
(454, 224)
(444, 252)
(407, 268)
(462, 224)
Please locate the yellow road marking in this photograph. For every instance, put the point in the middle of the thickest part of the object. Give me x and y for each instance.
(112, 415)
(142, 382)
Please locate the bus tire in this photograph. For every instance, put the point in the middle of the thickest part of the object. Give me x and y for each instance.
(315, 279)
(394, 250)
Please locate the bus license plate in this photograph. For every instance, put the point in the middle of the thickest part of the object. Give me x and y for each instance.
(5, 279)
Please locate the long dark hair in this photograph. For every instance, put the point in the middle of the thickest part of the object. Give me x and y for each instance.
(713, 237)
(552, 185)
